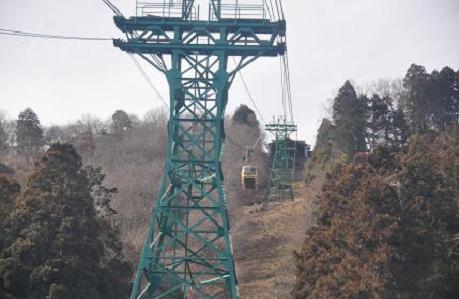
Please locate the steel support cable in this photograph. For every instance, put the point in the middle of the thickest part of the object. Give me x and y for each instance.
(288, 85)
(266, 4)
(271, 7)
(281, 9)
(147, 78)
(289, 88)
(254, 146)
(256, 109)
(113, 8)
(283, 89)
(277, 10)
(251, 98)
(249, 94)
(12, 32)
(285, 69)
(232, 141)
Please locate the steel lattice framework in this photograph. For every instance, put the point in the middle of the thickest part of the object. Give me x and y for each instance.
(280, 180)
(187, 252)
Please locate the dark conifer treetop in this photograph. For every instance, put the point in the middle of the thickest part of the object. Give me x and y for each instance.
(388, 225)
(121, 122)
(245, 115)
(350, 116)
(29, 133)
(58, 251)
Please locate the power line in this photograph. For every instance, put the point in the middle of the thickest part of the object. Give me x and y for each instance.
(147, 78)
(11, 32)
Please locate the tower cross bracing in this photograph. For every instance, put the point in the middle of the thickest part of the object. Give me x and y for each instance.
(187, 251)
(280, 179)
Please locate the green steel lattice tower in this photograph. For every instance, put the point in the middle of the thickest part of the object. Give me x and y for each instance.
(187, 252)
(280, 180)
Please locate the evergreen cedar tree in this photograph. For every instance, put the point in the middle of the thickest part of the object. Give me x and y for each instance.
(9, 191)
(386, 126)
(58, 247)
(432, 100)
(388, 225)
(29, 133)
(245, 115)
(349, 116)
(389, 220)
(3, 138)
(121, 122)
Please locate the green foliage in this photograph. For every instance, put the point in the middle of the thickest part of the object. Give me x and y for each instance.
(9, 191)
(29, 133)
(387, 126)
(399, 128)
(5, 169)
(388, 225)
(432, 101)
(350, 115)
(429, 216)
(380, 120)
(120, 122)
(443, 91)
(417, 103)
(102, 195)
(61, 249)
(245, 115)
(3, 138)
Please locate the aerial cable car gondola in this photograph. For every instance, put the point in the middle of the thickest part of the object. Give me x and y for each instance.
(249, 171)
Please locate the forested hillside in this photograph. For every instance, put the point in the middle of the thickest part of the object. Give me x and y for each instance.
(388, 215)
(76, 199)
(112, 167)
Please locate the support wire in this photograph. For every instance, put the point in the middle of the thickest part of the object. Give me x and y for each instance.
(147, 78)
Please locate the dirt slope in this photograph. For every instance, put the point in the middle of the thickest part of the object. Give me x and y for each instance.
(265, 241)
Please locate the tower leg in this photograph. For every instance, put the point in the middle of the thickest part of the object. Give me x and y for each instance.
(188, 253)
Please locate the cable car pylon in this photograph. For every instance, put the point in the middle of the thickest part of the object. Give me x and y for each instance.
(281, 176)
(187, 251)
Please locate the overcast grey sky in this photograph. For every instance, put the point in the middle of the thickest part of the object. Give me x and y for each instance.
(329, 41)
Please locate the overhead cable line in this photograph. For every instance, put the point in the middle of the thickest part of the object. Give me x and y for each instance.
(281, 9)
(147, 78)
(113, 8)
(271, 10)
(283, 88)
(279, 17)
(266, 8)
(11, 32)
(289, 87)
(232, 141)
(250, 96)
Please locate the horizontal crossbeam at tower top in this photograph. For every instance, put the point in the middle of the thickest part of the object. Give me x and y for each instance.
(188, 252)
(160, 34)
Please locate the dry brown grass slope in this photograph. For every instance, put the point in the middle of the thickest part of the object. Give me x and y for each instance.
(264, 243)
